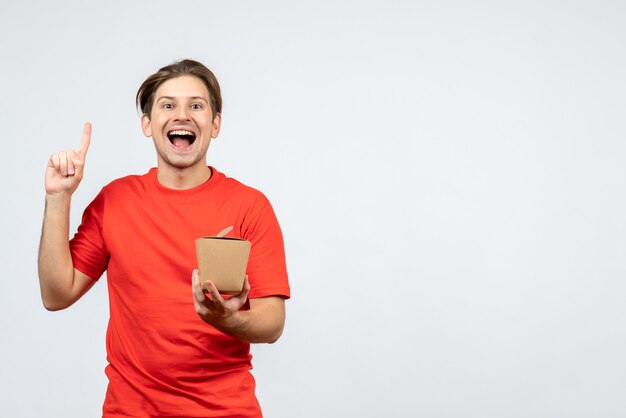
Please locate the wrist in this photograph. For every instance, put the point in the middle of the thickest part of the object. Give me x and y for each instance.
(234, 324)
(58, 200)
(58, 196)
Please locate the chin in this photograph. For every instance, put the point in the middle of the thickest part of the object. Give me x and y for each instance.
(182, 164)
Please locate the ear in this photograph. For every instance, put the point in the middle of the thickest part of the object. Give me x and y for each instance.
(146, 126)
(217, 123)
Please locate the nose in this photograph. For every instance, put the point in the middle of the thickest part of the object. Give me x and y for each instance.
(182, 113)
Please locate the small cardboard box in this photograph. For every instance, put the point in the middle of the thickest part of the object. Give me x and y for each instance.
(223, 261)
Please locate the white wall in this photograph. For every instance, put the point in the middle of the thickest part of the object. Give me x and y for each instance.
(449, 177)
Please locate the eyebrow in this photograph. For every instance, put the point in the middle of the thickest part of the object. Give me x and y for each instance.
(174, 98)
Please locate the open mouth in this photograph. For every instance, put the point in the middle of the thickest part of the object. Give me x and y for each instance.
(181, 138)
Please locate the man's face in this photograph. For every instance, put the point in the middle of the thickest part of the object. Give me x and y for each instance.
(181, 123)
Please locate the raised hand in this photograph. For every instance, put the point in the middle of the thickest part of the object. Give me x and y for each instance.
(65, 169)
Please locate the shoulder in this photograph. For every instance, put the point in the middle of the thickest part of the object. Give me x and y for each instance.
(133, 182)
(238, 190)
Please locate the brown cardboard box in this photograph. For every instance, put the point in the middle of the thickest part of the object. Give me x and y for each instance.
(223, 261)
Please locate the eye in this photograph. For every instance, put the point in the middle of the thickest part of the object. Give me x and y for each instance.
(196, 106)
(168, 106)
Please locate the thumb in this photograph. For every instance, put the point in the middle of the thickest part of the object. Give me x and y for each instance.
(243, 296)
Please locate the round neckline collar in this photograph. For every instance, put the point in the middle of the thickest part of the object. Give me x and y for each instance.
(183, 193)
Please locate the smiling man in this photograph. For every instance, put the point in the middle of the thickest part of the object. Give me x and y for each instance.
(174, 348)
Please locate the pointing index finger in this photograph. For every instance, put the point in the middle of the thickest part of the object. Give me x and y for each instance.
(84, 143)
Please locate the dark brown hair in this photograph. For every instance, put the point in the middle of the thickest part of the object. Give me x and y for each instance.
(145, 94)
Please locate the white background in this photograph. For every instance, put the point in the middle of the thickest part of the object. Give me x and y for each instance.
(449, 177)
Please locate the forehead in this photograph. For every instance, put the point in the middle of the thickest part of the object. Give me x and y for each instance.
(183, 87)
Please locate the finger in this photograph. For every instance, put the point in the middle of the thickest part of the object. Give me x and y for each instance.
(200, 308)
(53, 162)
(200, 301)
(243, 296)
(213, 292)
(85, 141)
(198, 294)
(63, 163)
(71, 157)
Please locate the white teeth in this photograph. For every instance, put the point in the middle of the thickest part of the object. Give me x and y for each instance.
(181, 132)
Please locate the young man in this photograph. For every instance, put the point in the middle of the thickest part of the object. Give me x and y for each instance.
(174, 348)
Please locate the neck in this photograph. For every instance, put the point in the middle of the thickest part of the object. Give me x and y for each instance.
(183, 178)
